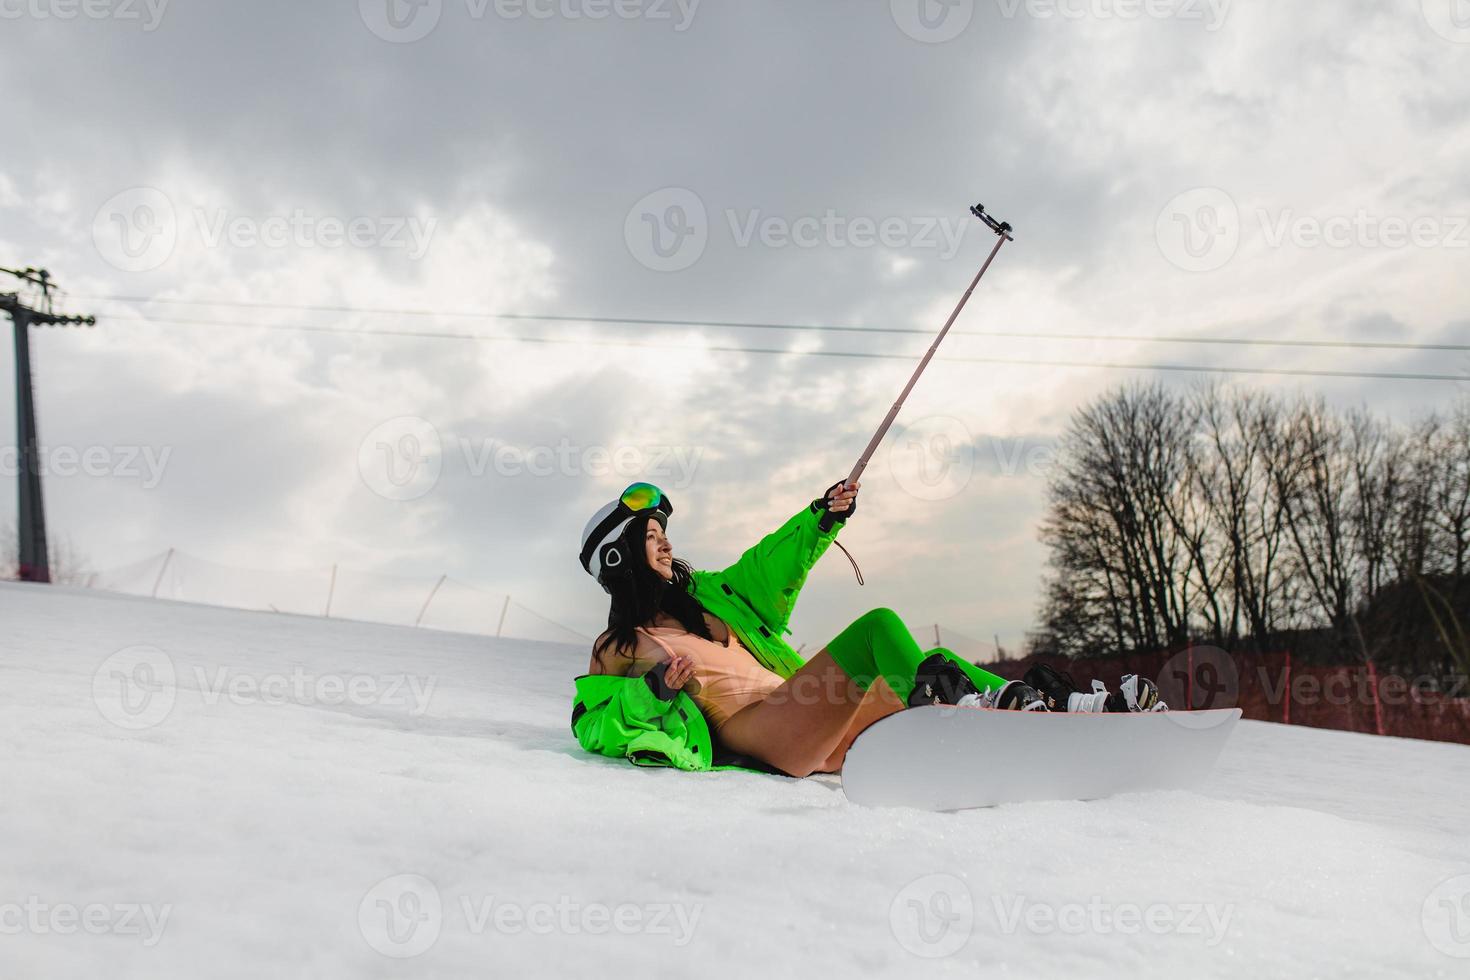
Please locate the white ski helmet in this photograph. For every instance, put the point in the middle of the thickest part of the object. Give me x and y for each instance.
(602, 547)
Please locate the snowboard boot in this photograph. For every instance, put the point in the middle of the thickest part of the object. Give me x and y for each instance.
(1010, 696)
(1137, 694)
(1060, 693)
(939, 680)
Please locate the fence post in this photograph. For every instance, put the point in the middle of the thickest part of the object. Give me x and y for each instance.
(425, 608)
(162, 568)
(504, 606)
(1377, 705)
(331, 588)
(1189, 677)
(1286, 692)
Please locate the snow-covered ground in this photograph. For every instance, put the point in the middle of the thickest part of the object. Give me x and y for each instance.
(197, 792)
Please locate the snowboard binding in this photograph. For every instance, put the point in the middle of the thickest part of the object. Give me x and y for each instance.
(1060, 693)
(939, 680)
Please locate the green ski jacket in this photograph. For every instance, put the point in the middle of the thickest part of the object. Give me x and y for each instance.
(623, 718)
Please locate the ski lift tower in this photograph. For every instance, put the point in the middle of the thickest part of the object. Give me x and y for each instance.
(34, 565)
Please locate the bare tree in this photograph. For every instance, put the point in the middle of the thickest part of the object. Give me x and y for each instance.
(1116, 508)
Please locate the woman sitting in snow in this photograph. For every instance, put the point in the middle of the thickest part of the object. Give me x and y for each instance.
(693, 671)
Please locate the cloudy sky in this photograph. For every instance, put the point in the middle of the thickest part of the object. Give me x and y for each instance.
(235, 190)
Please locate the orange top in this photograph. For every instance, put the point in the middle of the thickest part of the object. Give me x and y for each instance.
(729, 677)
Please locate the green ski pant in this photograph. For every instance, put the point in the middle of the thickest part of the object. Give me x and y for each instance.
(878, 643)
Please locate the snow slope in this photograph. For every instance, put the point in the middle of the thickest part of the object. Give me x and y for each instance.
(312, 798)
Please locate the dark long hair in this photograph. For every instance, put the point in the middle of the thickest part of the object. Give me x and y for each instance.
(640, 593)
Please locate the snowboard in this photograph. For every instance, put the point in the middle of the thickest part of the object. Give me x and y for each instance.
(939, 757)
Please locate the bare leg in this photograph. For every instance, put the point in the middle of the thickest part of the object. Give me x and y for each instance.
(879, 702)
(807, 724)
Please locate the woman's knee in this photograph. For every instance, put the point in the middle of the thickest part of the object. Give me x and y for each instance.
(882, 619)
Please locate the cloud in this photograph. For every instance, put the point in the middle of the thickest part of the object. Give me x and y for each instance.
(520, 147)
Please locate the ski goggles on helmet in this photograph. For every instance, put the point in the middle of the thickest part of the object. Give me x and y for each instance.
(608, 523)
